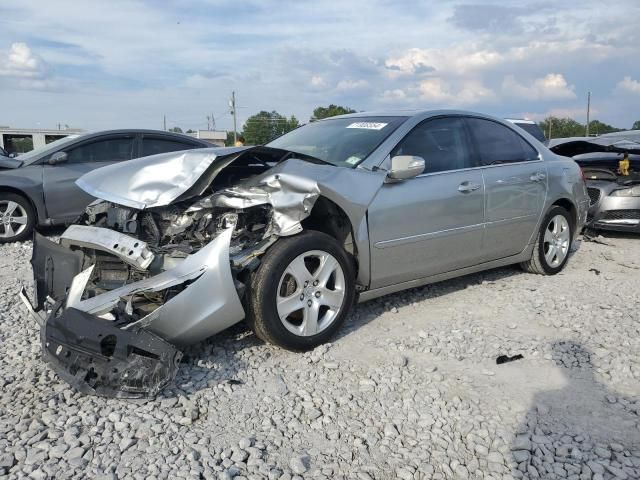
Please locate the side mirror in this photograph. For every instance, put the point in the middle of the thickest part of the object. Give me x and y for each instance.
(58, 157)
(405, 166)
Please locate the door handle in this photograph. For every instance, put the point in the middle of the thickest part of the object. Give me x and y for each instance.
(468, 187)
(537, 177)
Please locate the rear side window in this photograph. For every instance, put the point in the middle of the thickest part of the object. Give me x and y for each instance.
(153, 146)
(497, 144)
(441, 142)
(106, 150)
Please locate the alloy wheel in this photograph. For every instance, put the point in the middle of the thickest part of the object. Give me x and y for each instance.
(556, 242)
(13, 219)
(311, 293)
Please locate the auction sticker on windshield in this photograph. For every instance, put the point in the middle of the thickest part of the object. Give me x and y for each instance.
(368, 125)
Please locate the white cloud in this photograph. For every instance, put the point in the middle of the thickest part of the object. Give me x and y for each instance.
(439, 91)
(552, 86)
(348, 84)
(628, 84)
(394, 95)
(318, 81)
(20, 62)
(459, 59)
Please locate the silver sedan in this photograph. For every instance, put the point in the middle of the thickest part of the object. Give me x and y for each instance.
(288, 236)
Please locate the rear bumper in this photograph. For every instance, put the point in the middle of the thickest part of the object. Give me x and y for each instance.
(97, 358)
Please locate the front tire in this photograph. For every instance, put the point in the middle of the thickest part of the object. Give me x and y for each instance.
(302, 292)
(553, 245)
(17, 218)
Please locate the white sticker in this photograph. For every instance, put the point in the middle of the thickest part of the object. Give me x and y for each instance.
(352, 160)
(368, 125)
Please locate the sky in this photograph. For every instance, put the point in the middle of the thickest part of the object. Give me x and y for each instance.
(100, 64)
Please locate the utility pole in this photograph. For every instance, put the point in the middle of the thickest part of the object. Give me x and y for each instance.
(164, 122)
(588, 112)
(232, 104)
(208, 123)
(213, 122)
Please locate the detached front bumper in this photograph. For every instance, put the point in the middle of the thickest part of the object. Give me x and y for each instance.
(97, 358)
(102, 355)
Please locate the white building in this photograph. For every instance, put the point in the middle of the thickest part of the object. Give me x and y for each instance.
(21, 140)
(216, 137)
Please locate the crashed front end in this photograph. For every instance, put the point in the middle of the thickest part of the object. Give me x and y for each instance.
(132, 281)
(611, 167)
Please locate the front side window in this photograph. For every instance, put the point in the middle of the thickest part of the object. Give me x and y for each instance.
(153, 146)
(344, 142)
(441, 142)
(497, 144)
(106, 150)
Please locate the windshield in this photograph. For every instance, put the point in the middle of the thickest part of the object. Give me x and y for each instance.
(48, 148)
(344, 142)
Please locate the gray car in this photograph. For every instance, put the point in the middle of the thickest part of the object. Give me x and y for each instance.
(614, 193)
(38, 188)
(288, 236)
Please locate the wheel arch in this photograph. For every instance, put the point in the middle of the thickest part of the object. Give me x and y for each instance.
(570, 207)
(26, 196)
(328, 217)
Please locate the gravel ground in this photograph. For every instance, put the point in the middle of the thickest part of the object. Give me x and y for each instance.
(409, 390)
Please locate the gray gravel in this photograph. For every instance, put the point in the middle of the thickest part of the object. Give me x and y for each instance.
(409, 390)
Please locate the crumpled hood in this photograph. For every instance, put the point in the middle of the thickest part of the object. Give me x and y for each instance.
(153, 181)
(572, 146)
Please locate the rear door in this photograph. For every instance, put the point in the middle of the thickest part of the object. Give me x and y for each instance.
(63, 198)
(515, 180)
(431, 223)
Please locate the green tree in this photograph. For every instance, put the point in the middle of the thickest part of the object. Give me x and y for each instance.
(229, 142)
(330, 111)
(265, 126)
(596, 127)
(555, 127)
(175, 130)
(191, 131)
(636, 125)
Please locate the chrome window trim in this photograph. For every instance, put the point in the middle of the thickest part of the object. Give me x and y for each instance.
(527, 162)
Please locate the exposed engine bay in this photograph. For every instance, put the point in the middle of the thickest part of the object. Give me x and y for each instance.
(611, 168)
(142, 281)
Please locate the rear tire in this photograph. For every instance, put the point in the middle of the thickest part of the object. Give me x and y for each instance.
(17, 218)
(553, 245)
(302, 292)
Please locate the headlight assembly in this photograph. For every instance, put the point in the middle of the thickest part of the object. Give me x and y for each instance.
(626, 192)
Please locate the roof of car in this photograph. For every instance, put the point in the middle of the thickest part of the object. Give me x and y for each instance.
(409, 113)
(146, 131)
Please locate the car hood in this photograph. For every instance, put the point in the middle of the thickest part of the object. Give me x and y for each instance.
(9, 163)
(157, 180)
(570, 147)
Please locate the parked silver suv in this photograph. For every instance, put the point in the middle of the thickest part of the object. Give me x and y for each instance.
(288, 236)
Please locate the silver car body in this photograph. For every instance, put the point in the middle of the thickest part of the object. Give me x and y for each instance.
(402, 234)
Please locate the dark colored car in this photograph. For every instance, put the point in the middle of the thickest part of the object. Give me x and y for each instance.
(38, 188)
(531, 127)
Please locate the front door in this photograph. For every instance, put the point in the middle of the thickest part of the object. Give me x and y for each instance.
(432, 223)
(515, 180)
(63, 198)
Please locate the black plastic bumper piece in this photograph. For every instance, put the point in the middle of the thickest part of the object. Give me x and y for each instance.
(98, 358)
(54, 267)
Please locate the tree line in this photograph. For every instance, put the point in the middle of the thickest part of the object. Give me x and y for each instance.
(265, 126)
(555, 127)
